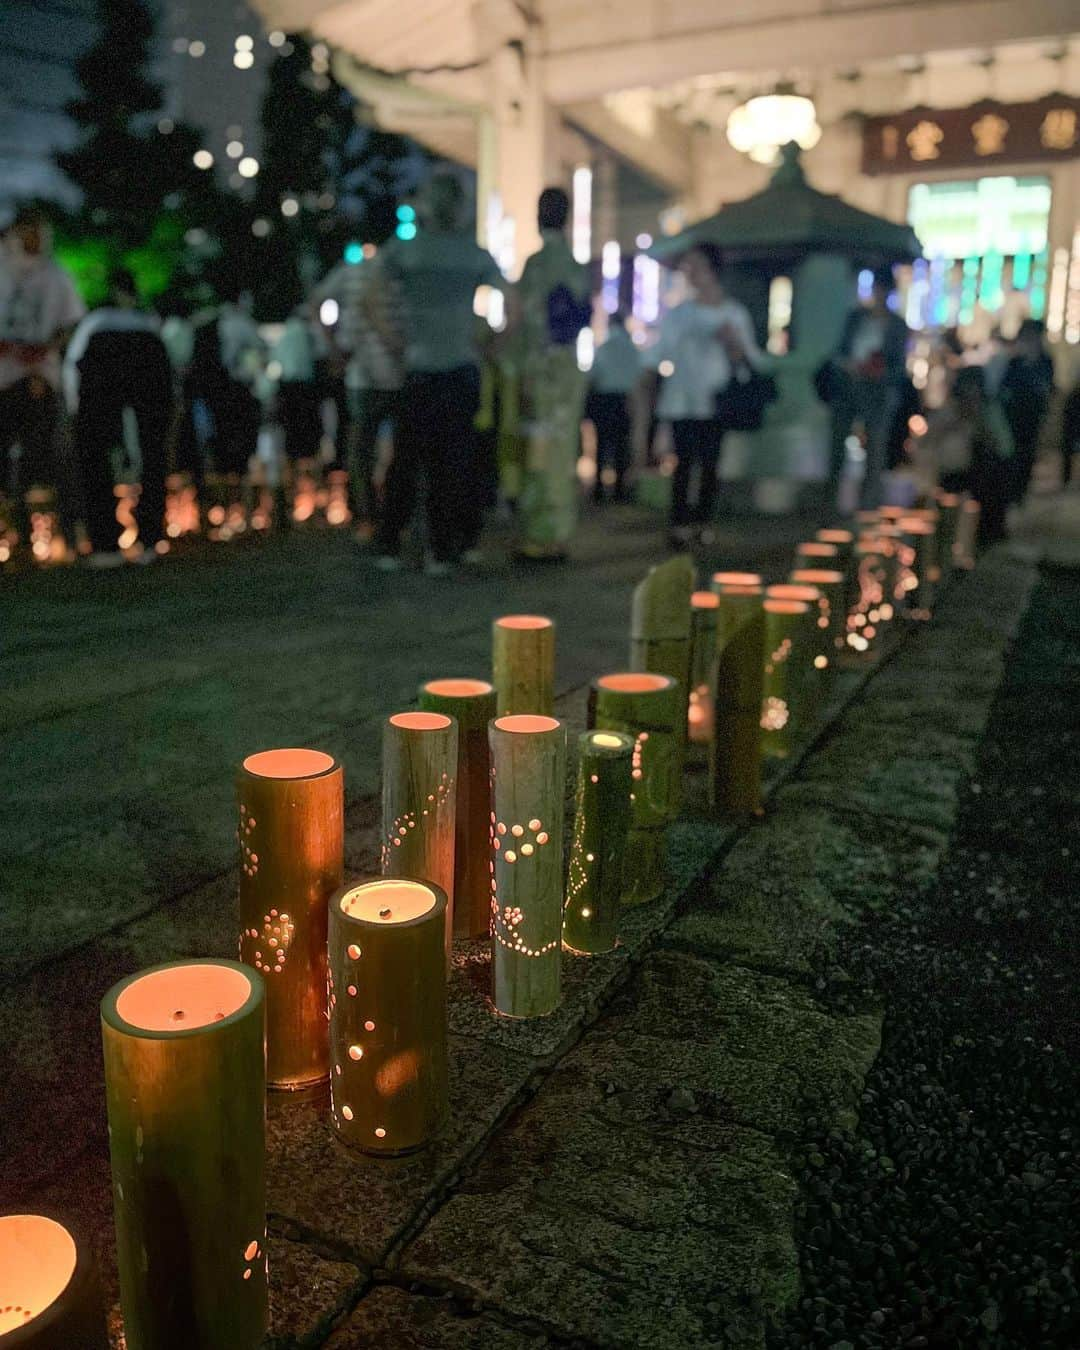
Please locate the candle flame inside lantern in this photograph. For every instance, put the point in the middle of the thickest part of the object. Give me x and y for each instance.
(606, 741)
(288, 763)
(817, 576)
(458, 688)
(388, 901)
(527, 723)
(632, 682)
(704, 600)
(736, 578)
(37, 1261)
(420, 721)
(184, 997)
(835, 537)
(523, 621)
(816, 548)
(786, 607)
(787, 591)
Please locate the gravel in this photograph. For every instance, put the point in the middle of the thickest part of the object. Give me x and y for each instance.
(950, 1218)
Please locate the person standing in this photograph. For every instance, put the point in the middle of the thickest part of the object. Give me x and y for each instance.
(703, 343)
(116, 362)
(39, 308)
(297, 352)
(554, 297)
(436, 275)
(1025, 391)
(615, 374)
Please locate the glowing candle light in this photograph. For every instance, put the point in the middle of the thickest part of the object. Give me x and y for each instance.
(291, 830)
(419, 802)
(185, 1083)
(832, 586)
(528, 767)
(920, 533)
(735, 753)
(471, 703)
(786, 624)
(649, 708)
(523, 664)
(388, 1014)
(49, 1294)
(601, 825)
(704, 608)
(844, 543)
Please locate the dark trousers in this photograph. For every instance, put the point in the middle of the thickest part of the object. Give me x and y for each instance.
(610, 415)
(697, 446)
(373, 408)
(300, 409)
(99, 429)
(434, 431)
(29, 418)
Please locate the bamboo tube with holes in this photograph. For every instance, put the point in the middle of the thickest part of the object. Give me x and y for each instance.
(291, 831)
(528, 768)
(388, 1085)
(701, 717)
(832, 606)
(523, 664)
(735, 754)
(920, 534)
(602, 815)
(185, 1085)
(950, 506)
(649, 708)
(419, 802)
(810, 671)
(50, 1298)
(844, 543)
(471, 703)
(875, 558)
(786, 625)
(660, 640)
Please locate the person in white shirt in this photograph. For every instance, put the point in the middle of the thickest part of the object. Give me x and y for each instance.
(39, 308)
(616, 371)
(298, 351)
(701, 343)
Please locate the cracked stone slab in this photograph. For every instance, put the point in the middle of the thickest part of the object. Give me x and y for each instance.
(392, 1318)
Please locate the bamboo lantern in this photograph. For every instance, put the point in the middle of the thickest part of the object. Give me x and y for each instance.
(523, 664)
(649, 708)
(810, 671)
(786, 624)
(602, 818)
(292, 839)
(735, 754)
(388, 1088)
(419, 796)
(49, 1293)
(875, 558)
(528, 774)
(921, 537)
(967, 534)
(950, 506)
(844, 543)
(185, 1083)
(704, 607)
(471, 703)
(816, 553)
(832, 606)
(660, 640)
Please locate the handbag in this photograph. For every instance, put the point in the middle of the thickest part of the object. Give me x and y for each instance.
(741, 404)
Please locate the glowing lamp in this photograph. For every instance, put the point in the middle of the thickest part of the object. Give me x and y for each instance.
(701, 721)
(388, 1014)
(419, 802)
(523, 664)
(875, 561)
(832, 587)
(602, 813)
(185, 1084)
(49, 1295)
(528, 777)
(921, 535)
(660, 642)
(291, 831)
(471, 703)
(786, 626)
(649, 708)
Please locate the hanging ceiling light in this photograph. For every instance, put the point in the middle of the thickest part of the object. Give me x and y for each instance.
(760, 126)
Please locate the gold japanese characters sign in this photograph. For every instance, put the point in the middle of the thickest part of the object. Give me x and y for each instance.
(985, 133)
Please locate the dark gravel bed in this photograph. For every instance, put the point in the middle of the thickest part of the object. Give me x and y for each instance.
(951, 1218)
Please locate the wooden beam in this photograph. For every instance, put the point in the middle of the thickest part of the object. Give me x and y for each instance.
(664, 156)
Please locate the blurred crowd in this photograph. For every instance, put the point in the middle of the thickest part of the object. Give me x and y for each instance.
(391, 377)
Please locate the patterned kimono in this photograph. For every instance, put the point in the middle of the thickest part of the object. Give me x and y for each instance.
(553, 397)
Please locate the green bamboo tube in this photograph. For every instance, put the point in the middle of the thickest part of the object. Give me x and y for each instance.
(528, 772)
(950, 506)
(701, 720)
(185, 1084)
(844, 543)
(920, 534)
(388, 1088)
(292, 837)
(874, 606)
(419, 802)
(832, 606)
(810, 672)
(471, 703)
(967, 534)
(786, 625)
(650, 708)
(660, 641)
(50, 1298)
(602, 817)
(523, 664)
(735, 756)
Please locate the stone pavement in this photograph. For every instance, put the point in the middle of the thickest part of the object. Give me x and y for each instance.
(619, 1174)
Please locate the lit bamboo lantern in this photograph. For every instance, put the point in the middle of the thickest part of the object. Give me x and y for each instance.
(660, 640)
(844, 543)
(875, 559)
(832, 606)
(185, 1083)
(419, 797)
(528, 772)
(291, 831)
(49, 1293)
(816, 553)
(786, 625)
(808, 682)
(471, 703)
(704, 606)
(921, 537)
(649, 708)
(950, 506)
(735, 754)
(388, 1014)
(602, 818)
(523, 664)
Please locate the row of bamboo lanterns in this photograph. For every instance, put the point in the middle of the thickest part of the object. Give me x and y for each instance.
(347, 982)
